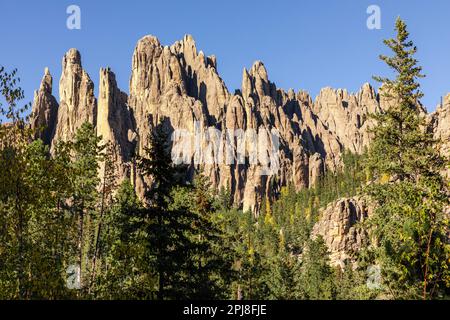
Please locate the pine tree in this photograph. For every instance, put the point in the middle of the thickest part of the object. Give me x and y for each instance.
(86, 154)
(224, 200)
(281, 276)
(351, 284)
(211, 259)
(240, 236)
(108, 186)
(409, 191)
(167, 230)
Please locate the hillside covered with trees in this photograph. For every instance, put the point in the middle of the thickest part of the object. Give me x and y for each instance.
(69, 229)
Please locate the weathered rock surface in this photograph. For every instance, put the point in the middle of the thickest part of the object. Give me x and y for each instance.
(340, 226)
(346, 115)
(181, 86)
(440, 125)
(45, 110)
(115, 122)
(77, 101)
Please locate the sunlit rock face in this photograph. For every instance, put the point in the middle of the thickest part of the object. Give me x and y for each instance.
(115, 123)
(180, 86)
(340, 227)
(77, 101)
(45, 110)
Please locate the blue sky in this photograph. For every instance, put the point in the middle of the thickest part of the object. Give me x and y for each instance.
(304, 44)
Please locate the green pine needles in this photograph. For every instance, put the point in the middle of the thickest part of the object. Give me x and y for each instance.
(410, 225)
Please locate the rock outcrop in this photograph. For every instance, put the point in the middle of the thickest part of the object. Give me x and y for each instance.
(252, 141)
(340, 226)
(45, 110)
(346, 115)
(77, 100)
(114, 122)
(440, 126)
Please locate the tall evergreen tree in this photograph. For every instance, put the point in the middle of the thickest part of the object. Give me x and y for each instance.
(316, 279)
(86, 154)
(107, 188)
(167, 230)
(409, 191)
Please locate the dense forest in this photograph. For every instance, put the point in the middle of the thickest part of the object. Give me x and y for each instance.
(69, 231)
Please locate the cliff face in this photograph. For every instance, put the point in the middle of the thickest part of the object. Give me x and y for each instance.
(340, 226)
(45, 110)
(181, 86)
(115, 123)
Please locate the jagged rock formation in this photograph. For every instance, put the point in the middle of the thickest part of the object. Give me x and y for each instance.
(159, 90)
(182, 87)
(115, 122)
(340, 226)
(45, 110)
(77, 101)
(346, 115)
(440, 124)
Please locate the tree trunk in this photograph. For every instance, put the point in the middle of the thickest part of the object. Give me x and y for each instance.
(99, 230)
